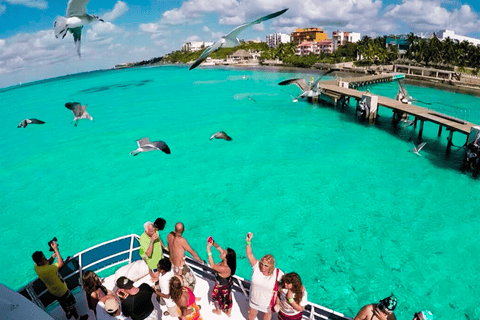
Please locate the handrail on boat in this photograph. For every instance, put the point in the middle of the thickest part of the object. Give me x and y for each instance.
(126, 249)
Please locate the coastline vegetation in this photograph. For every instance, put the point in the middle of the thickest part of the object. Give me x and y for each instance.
(368, 51)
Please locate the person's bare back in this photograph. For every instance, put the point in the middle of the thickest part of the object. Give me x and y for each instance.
(177, 245)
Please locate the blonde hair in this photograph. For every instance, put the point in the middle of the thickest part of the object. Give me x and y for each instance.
(269, 260)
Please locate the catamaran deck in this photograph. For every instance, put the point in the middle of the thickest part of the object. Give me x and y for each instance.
(108, 256)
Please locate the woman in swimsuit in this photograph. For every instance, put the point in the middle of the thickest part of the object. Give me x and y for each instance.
(94, 289)
(185, 300)
(222, 292)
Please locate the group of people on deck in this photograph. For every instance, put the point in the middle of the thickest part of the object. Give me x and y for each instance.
(271, 290)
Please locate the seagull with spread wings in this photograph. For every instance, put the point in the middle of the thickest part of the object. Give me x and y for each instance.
(79, 111)
(230, 40)
(144, 145)
(416, 149)
(76, 18)
(26, 122)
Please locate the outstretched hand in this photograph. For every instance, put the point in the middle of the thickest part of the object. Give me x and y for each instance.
(249, 236)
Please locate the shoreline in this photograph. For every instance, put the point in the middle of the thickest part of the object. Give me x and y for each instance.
(458, 88)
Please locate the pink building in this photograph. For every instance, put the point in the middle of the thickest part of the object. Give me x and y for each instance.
(307, 47)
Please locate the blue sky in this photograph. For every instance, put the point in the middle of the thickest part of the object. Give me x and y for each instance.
(144, 29)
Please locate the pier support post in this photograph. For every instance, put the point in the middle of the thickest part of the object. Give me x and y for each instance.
(420, 132)
(415, 123)
(449, 144)
(439, 131)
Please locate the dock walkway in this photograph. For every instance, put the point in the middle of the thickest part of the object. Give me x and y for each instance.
(343, 89)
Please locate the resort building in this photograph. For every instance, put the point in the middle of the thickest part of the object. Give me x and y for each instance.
(195, 46)
(313, 47)
(341, 38)
(444, 34)
(274, 39)
(308, 34)
(401, 43)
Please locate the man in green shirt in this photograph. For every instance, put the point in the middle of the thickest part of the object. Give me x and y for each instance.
(151, 246)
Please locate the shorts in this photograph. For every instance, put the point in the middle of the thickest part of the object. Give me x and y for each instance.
(187, 275)
(67, 302)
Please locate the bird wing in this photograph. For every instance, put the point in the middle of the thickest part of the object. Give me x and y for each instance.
(36, 121)
(142, 142)
(402, 89)
(77, 8)
(300, 82)
(232, 36)
(214, 47)
(75, 107)
(80, 110)
(420, 146)
(77, 37)
(329, 71)
(161, 146)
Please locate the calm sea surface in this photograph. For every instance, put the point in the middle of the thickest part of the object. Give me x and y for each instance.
(342, 203)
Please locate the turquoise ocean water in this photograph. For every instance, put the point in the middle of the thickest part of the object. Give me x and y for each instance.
(342, 203)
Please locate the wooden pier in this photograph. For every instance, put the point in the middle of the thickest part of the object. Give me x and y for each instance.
(342, 90)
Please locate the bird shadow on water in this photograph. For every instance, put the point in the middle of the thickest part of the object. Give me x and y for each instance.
(116, 85)
(436, 151)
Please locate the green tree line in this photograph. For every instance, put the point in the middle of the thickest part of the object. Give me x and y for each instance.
(368, 51)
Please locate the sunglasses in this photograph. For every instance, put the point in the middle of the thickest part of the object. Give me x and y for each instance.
(264, 265)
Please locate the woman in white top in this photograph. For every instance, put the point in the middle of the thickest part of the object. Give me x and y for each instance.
(292, 297)
(264, 278)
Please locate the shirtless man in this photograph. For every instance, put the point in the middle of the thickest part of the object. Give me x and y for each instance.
(177, 245)
(380, 311)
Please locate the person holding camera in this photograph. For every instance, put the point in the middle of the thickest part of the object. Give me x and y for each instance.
(47, 271)
(151, 246)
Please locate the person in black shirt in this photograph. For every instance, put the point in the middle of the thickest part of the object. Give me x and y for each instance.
(136, 302)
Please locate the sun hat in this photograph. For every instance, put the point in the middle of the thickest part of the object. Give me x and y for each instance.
(389, 303)
(124, 283)
(111, 305)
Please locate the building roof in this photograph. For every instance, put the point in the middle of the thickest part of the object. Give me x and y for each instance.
(241, 53)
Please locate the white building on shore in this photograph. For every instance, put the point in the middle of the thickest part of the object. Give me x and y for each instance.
(195, 46)
(341, 38)
(274, 39)
(444, 34)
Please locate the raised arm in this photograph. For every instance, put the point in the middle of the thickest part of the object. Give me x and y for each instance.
(57, 253)
(211, 263)
(248, 249)
(189, 249)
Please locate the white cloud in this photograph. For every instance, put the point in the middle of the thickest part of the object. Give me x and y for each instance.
(431, 16)
(39, 4)
(2, 9)
(150, 27)
(118, 10)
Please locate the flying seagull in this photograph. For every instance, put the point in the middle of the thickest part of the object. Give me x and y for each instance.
(144, 145)
(76, 18)
(230, 40)
(307, 90)
(25, 122)
(221, 135)
(79, 111)
(416, 149)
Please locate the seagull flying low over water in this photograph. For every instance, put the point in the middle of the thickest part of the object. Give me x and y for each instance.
(144, 145)
(416, 149)
(230, 40)
(26, 122)
(76, 18)
(79, 111)
(221, 135)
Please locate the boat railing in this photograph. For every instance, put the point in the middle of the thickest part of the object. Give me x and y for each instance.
(125, 249)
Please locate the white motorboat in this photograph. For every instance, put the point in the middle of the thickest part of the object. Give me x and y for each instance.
(120, 257)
